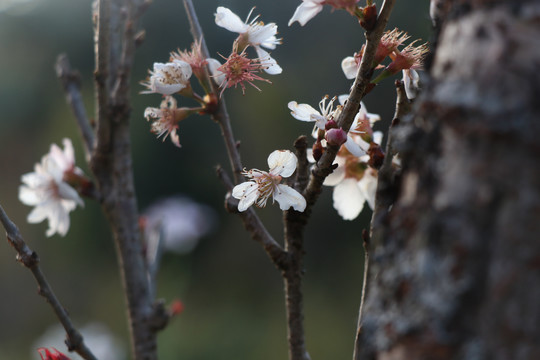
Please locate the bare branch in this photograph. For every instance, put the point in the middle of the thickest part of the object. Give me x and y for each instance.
(71, 83)
(251, 221)
(30, 260)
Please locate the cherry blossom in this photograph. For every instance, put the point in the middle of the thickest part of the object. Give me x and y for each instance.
(168, 78)
(262, 184)
(47, 190)
(252, 33)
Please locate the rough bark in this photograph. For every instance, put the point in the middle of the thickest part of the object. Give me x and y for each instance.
(455, 265)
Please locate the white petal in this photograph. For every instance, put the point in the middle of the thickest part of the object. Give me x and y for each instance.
(338, 174)
(247, 192)
(348, 199)
(38, 214)
(213, 66)
(272, 67)
(354, 147)
(302, 112)
(287, 197)
(411, 83)
(368, 186)
(349, 67)
(282, 162)
(30, 196)
(343, 98)
(306, 11)
(66, 192)
(263, 35)
(377, 137)
(230, 21)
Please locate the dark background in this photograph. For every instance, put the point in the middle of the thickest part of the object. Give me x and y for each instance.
(232, 294)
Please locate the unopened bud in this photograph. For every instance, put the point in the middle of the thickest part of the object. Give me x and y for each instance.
(318, 150)
(376, 156)
(369, 17)
(336, 137)
(177, 307)
(330, 124)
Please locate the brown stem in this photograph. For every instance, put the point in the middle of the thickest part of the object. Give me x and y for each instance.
(292, 276)
(71, 83)
(324, 166)
(30, 260)
(112, 164)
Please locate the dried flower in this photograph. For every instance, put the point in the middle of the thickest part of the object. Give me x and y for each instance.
(239, 69)
(165, 119)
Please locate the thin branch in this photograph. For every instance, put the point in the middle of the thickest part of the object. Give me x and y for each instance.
(357, 341)
(251, 221)
(221, 116)
(363, 77)
(254, 226)
(72, 87)
(111, 164)
(386, 186)
(30, 260)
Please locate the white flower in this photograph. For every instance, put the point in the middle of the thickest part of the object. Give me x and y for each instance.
(306, 11)
(262, 184)
(305, 112)
(168, 78)
(254, 33)
(350, 194)
(46, 190)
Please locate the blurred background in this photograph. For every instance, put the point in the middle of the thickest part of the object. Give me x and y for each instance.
(233, 296)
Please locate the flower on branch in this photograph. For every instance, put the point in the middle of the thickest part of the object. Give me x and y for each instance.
(262, 184)
(165, 119)
(50, 188)
(239, 69)
(52, 354)
(310, 8)
(305, 112)
(168, 78)
(252, 33)
(411, 57)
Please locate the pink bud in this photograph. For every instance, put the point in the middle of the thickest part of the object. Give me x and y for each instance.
(336, 137)
(330, 124)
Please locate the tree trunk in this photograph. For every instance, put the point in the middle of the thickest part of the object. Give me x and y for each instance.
(455, 264)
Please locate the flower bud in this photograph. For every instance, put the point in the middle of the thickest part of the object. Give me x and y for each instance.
(336, 137)
(369, 17)
(330, 124)
(318, 150)
(376, 156)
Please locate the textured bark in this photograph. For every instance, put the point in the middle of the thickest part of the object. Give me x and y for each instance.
(456, 262)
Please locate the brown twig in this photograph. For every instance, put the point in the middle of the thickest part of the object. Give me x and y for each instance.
(111, 163)
(72, 87)
(30, 260)
(324, 166)
(356, 352)
(251, 221)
